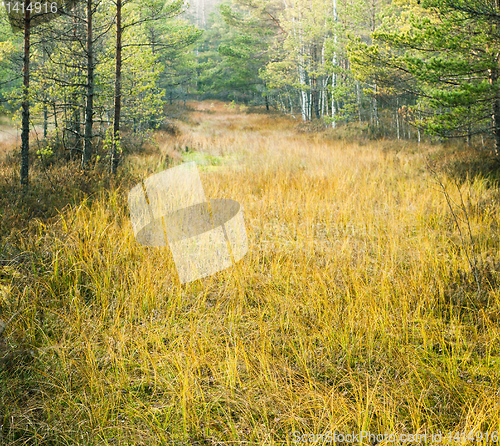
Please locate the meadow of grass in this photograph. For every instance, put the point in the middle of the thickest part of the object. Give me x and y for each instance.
(355, 309)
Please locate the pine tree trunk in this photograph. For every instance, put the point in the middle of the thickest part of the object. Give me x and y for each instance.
(118, 87)
(75, 113)
(496, 111)
(496, 123)
(45, 109)
(75, 121)
(469, 127)
(25, 134)
(89, 108)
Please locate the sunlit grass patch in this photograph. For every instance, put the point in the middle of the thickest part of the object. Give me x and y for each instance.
(209, 162)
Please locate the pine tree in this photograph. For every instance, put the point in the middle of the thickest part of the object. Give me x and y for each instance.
(446, 53)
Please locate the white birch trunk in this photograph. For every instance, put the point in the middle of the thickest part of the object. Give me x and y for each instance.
(302, 74)
(418, 126)
(397, 117)
(334, 80)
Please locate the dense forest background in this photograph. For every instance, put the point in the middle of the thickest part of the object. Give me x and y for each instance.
(391, 68)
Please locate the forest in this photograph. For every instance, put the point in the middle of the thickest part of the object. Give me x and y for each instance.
(358, 144)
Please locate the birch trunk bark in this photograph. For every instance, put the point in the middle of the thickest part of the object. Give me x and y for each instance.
(334, 61)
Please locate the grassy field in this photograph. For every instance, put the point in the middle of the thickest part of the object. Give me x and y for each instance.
(364, 303)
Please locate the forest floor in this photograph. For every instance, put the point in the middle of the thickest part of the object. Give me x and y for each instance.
(367, 303)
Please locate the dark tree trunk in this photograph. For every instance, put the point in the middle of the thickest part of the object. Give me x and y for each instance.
(496, 111)
(496, 123)
(316, 100)
(25, 135)
(45, 109)
(75, 113)
(76, 130)
(56, 125)
(494, 75)
(45, 119)
(469, 127)
(118, 87)
(89, 107)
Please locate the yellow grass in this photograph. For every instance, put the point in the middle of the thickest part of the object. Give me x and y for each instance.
(354, 310)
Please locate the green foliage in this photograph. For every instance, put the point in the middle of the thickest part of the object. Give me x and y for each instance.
(10, 68)
(157, 56)
(231, 56)
(446, 53)
(292, 54)
(112, 140)
(45, 153)
(172, 44)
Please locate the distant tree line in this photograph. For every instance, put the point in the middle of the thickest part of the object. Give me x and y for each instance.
(400, 67)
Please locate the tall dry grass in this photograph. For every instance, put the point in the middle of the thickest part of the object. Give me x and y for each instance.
(354, 310)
